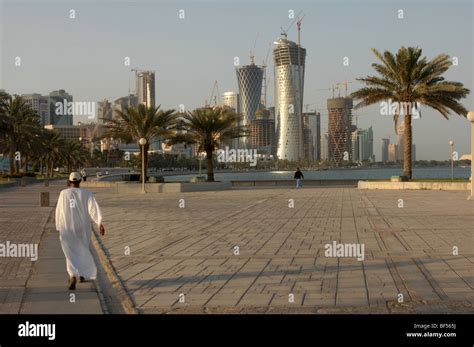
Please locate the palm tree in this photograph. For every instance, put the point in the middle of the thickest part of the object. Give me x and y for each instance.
(142, 122)
(408, 78)
(51, 142)
(18, 126)
(72, 154)
(208, 129)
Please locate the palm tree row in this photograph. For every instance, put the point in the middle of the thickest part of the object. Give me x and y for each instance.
(207, 128)
(24, 141)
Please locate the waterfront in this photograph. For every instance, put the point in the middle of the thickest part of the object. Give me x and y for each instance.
(351, 174)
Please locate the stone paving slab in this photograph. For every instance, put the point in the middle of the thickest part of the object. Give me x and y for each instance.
(281, 251)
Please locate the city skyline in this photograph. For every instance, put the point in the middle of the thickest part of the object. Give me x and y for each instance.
(52, 71)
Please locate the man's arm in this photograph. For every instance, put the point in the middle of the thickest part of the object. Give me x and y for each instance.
(95, 213)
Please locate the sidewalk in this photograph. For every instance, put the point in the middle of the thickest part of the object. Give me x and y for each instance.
(41, 286)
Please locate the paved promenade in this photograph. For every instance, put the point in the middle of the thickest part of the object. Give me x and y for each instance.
(251, 251)
(419, 250)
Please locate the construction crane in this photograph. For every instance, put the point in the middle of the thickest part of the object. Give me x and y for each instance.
(298, 23)
(266, 80)
(214, 95)
(333, 88)
(345, 84)
(252, 51)
(283, 31)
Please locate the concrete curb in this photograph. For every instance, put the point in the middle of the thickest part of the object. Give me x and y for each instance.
(414, 185)
(124, 296)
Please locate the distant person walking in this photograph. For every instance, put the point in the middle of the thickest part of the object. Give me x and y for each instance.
(84, 174)
(298, 177)
(75, 209)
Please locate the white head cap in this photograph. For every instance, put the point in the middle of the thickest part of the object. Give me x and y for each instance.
(75, 177)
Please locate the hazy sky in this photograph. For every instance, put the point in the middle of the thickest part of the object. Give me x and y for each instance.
(85, 55)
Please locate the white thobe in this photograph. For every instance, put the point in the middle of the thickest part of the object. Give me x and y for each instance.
(75, 210)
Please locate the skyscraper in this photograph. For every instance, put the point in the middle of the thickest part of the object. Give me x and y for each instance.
(146, 88)
(122, 103)
(60, 97)
(339, 129)
(104, 111)
(325, 147)
(385, 143)
(231, 99)
(263, 132)
(392, 152)
(249, 80)
(289, 62)
(362, 145)
(312, 135)
(40, 104)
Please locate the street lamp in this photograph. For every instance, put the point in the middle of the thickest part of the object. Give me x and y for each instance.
(451, 143)
(142, 143)
(470, 117)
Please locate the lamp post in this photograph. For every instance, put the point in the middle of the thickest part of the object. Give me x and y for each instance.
(451, 143)
(200, 165)
(142, 143)
(470, 117)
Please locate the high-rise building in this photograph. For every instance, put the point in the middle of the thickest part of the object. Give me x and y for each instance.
(122, 103)
(146, 88)
(289, 61)
(40, 104)
(325, 147)
(231, 99)
(249, 80)
(339, 129)
(104, 111)
(392, 152)
(263, 132)
(60, 97)
(362, 145)
(385, 143)
(312, 135)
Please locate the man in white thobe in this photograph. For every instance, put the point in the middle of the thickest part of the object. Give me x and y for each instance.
(75, 210)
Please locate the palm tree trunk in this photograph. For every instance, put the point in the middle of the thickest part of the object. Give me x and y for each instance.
(11, 162)
(210, 169)
(407, 144)
(26, 163)
(147, 147)
(144, 155)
